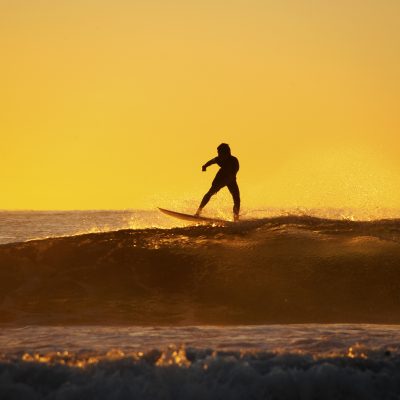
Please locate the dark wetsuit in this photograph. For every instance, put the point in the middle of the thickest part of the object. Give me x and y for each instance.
(226, 176)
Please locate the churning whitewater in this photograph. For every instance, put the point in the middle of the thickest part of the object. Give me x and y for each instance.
(257, 362)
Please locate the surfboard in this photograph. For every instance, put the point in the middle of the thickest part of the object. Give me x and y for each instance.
(192, 218)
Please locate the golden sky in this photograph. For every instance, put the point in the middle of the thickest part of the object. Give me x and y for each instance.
(117, 103)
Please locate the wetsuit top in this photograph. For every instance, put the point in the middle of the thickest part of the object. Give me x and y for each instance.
(229, 165)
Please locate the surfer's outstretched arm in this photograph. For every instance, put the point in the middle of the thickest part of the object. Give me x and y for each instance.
(208, 163)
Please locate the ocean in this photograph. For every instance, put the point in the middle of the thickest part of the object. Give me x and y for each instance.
(286, 304)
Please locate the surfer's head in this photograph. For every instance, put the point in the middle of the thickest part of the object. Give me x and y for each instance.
(224, 149)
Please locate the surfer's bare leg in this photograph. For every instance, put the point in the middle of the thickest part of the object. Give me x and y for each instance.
(234, 189)
(206, 198)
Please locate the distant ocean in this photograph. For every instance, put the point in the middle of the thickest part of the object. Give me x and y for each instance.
(286, 304)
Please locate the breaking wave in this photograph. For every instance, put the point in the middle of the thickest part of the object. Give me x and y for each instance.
(275, 270)
(179, 373)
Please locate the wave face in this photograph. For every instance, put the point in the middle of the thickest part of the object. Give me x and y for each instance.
(275, 270)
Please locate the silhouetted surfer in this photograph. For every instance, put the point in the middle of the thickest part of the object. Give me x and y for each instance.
(226, 176)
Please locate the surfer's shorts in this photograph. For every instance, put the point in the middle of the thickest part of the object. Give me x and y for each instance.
(221, 180)
(219, 183)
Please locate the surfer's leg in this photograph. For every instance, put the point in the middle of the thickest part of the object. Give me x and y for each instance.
(213, 190)
(234, 189)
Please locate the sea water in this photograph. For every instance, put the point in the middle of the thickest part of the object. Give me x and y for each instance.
(131, 304)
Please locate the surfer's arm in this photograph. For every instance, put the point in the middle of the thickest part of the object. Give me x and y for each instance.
(208, 163)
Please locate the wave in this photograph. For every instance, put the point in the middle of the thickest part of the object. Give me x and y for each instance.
(292, 269)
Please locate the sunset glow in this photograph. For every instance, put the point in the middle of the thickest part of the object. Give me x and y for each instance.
(117, 104)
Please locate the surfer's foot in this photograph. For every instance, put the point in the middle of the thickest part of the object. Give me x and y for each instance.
(198, 212)
(236, 217)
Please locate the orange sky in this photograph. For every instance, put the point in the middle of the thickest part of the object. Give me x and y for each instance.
(117, 104)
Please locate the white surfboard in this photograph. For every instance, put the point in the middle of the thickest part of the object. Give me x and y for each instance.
(193, 218)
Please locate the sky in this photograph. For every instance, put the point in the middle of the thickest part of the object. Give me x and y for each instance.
(114, 104)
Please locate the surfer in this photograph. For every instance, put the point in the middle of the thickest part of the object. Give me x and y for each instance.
(226, 176)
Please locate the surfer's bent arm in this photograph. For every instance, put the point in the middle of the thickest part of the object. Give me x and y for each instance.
(208, 163)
